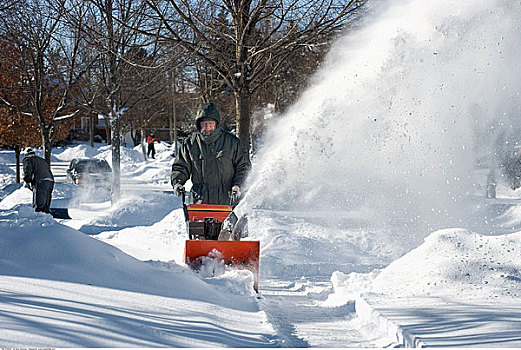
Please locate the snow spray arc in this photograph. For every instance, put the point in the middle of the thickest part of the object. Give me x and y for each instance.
(395, 119)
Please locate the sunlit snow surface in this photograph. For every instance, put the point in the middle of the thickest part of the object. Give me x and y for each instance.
(62, 286)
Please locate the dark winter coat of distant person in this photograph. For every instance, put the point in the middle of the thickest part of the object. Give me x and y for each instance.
(38, 177)
(151, 139)
(213, 158)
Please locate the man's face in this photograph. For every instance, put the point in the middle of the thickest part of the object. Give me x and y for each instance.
(208, 126)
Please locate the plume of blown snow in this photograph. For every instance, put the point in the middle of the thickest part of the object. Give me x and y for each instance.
(393, 122)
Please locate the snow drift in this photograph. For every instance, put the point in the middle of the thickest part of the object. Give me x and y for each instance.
(34, 245)
(459, 263)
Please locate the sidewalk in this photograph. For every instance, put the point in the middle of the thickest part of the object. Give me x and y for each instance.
(423, 321)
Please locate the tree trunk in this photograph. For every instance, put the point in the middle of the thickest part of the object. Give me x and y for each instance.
(17, 152)
(136, 136)
(91, 129)
(47, 150)
(116, 156)
(242, 116)
(46, 143)
(108, 132)
(173, 128)
(142, 142)
(173, 120)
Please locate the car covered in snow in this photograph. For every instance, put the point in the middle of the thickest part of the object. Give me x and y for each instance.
(95, 172)
(509, 172)
(512, 168)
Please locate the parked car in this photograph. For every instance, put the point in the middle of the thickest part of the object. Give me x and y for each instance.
(509, 172)
(96, 172)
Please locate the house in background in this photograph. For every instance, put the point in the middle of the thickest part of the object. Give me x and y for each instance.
(81, 128)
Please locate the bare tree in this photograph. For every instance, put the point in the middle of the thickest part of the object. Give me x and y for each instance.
(292, 77)
(119, 66)
(6, 5)
(32, 31)
(246, 41)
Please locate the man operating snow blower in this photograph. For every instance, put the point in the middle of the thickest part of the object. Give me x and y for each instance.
(213, 158)
(217, 164)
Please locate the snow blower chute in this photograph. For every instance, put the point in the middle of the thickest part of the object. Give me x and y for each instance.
(207, 238)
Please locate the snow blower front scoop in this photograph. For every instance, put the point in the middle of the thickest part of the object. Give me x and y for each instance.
(205, 223)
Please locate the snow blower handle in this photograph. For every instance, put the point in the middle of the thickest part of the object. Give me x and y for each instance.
(183, 194)
(180, 191)
(235, 195)
(183, 200)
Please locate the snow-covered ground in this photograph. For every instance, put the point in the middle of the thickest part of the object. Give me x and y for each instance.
(366, 199)
(64, 286)
(112, 275)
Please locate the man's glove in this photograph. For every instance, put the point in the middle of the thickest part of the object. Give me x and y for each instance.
(236, 191)
(28, 185)
(235, 195)
(179, 189)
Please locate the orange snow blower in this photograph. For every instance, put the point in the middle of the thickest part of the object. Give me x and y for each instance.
(207, 238)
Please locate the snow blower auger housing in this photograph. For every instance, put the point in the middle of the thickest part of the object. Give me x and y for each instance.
(204, 227)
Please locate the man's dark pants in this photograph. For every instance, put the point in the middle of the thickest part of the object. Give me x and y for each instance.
(42, 194)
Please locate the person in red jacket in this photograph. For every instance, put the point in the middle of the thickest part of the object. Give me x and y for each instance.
(150, 141)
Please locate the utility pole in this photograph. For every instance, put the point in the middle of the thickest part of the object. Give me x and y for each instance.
(174, 113)
(91, 129)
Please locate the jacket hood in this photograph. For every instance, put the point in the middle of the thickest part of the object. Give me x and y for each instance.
(207, 110)
(29, 152)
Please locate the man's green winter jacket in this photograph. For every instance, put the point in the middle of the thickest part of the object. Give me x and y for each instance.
(36, 169)
(215, 164)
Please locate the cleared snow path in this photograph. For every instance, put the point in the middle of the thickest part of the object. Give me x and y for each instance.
(297, 314)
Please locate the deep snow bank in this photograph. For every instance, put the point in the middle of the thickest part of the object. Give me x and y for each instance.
(459, 288)
(35, 245)
(457, 262)
(452, 263)
(79, 151)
